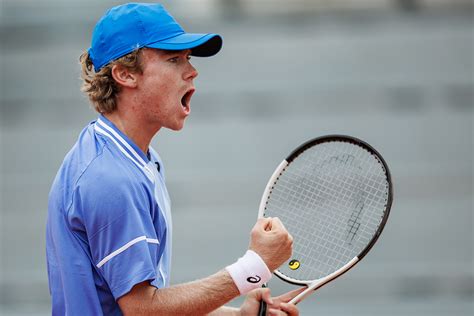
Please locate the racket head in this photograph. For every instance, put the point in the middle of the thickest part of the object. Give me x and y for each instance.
(302, 193)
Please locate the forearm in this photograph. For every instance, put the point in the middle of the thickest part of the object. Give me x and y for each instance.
(194, 298)
(225, 311)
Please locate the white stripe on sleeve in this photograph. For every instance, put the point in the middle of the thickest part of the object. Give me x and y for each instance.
(125, 247)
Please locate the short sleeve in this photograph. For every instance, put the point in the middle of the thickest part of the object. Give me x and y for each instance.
(115, 212)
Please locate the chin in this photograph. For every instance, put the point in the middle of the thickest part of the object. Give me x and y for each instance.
(176, 125)
(177, 128)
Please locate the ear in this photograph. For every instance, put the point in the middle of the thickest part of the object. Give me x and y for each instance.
(124, 77)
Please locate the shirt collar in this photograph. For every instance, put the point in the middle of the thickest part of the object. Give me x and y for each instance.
(123, 142)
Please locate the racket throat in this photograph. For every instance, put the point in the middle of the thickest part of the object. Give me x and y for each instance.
(313, 286)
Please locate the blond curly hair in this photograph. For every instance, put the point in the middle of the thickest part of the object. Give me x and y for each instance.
(100, 87)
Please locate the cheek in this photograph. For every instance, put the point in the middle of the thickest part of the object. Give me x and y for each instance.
(154, 93)
(164, 89)
(159, 92)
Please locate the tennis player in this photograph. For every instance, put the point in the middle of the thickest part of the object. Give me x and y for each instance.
(109, 220)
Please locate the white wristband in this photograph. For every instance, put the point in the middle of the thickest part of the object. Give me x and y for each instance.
(249, 272)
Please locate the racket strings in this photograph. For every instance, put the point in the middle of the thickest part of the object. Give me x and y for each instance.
(331, 198)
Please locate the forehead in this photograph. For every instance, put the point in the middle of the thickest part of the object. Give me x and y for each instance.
(154, 52)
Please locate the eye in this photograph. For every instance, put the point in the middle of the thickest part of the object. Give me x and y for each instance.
(173, 59)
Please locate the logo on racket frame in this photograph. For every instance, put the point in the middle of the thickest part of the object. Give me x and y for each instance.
(294, 264)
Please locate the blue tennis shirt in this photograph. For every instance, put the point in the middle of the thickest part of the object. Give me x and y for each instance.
(109, 223)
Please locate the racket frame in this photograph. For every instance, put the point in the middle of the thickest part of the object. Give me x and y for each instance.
(316, 284)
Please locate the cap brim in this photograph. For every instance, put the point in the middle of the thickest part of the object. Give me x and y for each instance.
(201, 45)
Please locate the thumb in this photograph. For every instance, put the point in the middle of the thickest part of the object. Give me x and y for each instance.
(266, 296)
(262, 294)
(264, 223)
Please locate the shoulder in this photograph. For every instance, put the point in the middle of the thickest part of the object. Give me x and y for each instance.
(82, 154)
(108, 193)
(105, 166)
(108, 175)
(110, 183)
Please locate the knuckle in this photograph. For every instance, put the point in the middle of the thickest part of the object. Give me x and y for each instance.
(254, 233)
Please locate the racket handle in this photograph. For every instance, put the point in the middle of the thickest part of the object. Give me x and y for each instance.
(263, 306)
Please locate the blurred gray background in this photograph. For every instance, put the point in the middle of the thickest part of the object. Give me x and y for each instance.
(398, 74)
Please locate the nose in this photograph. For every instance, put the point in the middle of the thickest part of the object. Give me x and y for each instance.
(191, 72)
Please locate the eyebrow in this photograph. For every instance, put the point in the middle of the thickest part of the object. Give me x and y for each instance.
(172, 52)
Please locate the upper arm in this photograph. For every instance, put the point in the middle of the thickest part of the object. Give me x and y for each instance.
(136, 301)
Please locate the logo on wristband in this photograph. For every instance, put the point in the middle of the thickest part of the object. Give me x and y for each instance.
(254, 279)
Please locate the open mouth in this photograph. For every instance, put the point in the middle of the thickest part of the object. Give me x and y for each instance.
(186, 99)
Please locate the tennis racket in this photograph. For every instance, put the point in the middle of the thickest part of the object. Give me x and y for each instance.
(333, 194)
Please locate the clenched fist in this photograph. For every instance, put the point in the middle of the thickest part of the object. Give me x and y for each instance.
(270, 239)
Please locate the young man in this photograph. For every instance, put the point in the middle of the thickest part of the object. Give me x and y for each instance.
(109, 221)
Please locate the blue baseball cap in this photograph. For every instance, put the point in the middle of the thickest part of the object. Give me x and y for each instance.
(130, 26)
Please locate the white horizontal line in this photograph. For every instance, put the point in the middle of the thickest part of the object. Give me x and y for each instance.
(125, 247)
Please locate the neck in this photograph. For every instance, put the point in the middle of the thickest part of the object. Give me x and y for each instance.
(135, 129)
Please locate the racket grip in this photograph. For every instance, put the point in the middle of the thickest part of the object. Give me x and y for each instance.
(262, 311)
(263, 308)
